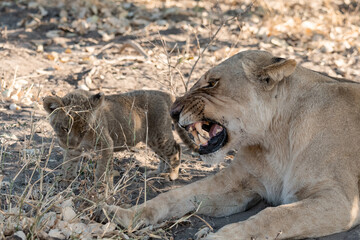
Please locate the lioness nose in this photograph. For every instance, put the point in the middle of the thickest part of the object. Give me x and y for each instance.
(175, 111)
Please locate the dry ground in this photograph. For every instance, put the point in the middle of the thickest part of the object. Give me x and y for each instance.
(59, 46)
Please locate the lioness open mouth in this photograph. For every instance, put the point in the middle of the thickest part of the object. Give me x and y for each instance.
(208, 135)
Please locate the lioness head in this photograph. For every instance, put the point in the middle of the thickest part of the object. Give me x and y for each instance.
(70, 116)
(233, 103)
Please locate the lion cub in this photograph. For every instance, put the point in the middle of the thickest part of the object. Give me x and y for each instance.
(83, 121)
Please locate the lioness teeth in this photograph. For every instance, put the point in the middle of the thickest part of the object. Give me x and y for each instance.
(202, 133)
(196, 137)
(198, 127)
(202, 140)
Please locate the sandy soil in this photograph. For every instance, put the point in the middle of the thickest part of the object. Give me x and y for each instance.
(41, 53)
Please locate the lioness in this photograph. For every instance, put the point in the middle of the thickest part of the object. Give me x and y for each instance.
(297, 133)
(83, 121)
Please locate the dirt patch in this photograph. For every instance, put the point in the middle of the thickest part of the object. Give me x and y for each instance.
(111, 46)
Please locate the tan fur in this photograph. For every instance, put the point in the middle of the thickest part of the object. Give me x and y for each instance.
(297, 133)
(112, 123)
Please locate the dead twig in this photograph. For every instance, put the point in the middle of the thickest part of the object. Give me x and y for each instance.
(203, 220)
(135, 46)
(212, 39)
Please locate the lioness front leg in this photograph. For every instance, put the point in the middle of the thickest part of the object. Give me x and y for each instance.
(322, 214)
(227, 192)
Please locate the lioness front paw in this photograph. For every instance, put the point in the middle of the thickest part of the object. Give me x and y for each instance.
(202, 233)
(121, 216)
(213, 236)
(228, 232)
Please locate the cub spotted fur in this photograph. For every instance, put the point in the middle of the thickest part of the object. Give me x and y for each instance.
(83, 121)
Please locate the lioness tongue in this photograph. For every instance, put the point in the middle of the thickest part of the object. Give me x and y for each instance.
(215, 129)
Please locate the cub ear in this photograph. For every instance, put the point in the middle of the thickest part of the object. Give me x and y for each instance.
(271, 74)
(51, 103)
(97, 99)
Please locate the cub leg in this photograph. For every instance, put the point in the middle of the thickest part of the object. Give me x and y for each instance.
(70, 163)
(104, 166)
(169, 152)
(322, 214)
(227, 192)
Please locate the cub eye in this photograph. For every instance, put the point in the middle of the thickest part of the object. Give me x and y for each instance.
(65, 129)
(212, 82)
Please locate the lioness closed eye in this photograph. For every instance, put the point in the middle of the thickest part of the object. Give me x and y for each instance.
(297, 133)
(83, 121)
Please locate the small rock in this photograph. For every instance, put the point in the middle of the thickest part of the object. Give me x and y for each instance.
(64, 59)
(63, 13)
(127, 5)
(40, 48)
(278, 42)
(106, 37)
(32, 24)
(68, 214)
(33, 5)
(43, 11)
(53, 34)
(94, 9)
(55, 233)
(20, 234)
(83, 87)
(67, 203)
(327, 47)
(90, 49)
(48, 220)
(80, 26)
(53, 56)
(109, 227)
(161, 22)
(77, 228)
(14, 107)
(95, 228)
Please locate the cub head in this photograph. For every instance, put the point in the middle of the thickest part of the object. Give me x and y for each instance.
(70, 116)
(233, 103)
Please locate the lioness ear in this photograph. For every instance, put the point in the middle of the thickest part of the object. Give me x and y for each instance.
(51, 103)
(278, 71)
(96, 100)
(269, 75)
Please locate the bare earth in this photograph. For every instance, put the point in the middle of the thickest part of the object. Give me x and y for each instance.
(113, 47)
